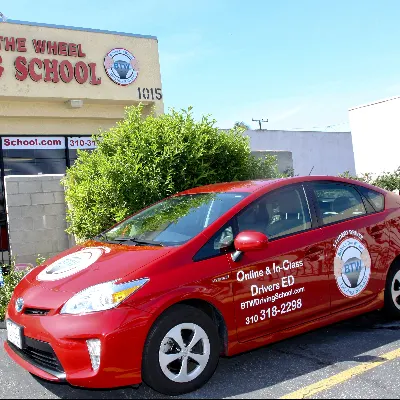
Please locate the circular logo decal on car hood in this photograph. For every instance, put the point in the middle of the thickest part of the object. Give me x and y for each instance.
(72, 264)
(352, 266)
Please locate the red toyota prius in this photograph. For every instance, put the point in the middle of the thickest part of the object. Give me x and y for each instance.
(212, 271)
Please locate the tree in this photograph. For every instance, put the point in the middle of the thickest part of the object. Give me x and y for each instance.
(241, 125)
(387, 180)
(366, 177)
(142, 160)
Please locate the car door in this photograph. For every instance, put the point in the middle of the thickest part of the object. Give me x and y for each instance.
(285, 284)
(357, 243)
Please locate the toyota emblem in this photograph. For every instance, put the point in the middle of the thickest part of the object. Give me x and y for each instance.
(19, 304)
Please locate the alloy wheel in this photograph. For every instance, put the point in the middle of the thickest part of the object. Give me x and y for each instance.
(184, 352)
(396, 290)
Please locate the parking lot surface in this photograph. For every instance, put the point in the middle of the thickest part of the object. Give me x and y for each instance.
(355, 359)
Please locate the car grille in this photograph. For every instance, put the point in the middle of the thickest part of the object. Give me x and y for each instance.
(41, 355)
(36, 311)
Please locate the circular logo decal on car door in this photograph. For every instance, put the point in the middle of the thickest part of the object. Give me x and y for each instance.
(352, 267)
(72, 264)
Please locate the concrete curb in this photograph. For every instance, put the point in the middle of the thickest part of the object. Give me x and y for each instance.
(2, 325)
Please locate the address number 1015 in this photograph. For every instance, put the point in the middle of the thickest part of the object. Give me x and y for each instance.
(149, 94)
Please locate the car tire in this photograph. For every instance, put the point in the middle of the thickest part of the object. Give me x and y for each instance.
(181, 352)
(392, 292)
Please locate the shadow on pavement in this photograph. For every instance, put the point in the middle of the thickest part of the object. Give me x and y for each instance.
(271, 365)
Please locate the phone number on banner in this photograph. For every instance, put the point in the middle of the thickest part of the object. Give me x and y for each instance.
(81, 143)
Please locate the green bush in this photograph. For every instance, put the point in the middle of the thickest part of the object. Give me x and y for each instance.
(11, 279)
(388, 180)
(142, 160)
(40, 260)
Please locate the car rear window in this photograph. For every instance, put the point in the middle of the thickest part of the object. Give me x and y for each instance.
(338, 202)
(376, 199)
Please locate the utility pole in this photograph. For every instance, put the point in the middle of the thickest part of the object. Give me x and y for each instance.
(259, 121)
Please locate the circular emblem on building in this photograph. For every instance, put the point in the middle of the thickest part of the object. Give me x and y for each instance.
(19, 304)
(121, 66)
(352, 267)
(72, 264)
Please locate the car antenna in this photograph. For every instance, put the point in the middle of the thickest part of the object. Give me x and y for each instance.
(311, 170)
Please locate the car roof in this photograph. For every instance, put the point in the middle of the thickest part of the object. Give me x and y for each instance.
(252, 186)
(240, 186)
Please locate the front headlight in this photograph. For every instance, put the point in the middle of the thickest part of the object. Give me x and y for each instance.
(101, 297)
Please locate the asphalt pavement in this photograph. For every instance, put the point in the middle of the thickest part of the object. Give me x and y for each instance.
(346, 360)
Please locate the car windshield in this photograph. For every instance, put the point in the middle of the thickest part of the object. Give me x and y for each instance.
(173, 221)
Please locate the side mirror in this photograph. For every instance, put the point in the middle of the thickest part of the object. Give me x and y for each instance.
(249, 241)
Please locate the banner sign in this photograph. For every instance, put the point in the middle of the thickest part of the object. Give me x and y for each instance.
(24, 142)
(81, 142)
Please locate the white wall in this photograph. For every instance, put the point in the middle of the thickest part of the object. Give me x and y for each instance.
(284, 158)
(330, 153)
(376, 136)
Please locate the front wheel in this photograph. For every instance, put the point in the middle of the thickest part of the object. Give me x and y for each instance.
(392, 292)
(181, 351)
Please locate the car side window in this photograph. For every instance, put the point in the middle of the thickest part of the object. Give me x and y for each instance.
(279, 213)
(338, 202)
(377, 200)
(220, 243)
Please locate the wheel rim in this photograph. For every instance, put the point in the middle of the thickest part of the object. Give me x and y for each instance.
(396, 290)
(184, 353)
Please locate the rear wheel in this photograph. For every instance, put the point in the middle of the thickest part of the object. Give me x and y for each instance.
(392, 292)
(181, 351)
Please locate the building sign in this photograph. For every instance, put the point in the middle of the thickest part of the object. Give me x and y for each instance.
(121, 66)
(55, 62)
(47, 142)
(47, 69)
(82, 142)
(24, 142)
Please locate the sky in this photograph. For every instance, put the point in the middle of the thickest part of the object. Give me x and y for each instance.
(301, 64)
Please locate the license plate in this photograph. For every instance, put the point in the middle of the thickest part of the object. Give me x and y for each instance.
(14, 334)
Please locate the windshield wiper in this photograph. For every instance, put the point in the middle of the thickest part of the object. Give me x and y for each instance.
(103, 236)
(138, 241)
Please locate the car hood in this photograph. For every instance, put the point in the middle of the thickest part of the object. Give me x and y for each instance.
(92, 263)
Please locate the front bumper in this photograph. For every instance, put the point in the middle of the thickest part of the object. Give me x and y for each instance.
(55, 346)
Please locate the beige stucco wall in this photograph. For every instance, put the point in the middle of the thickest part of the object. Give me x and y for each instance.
(29, 107)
